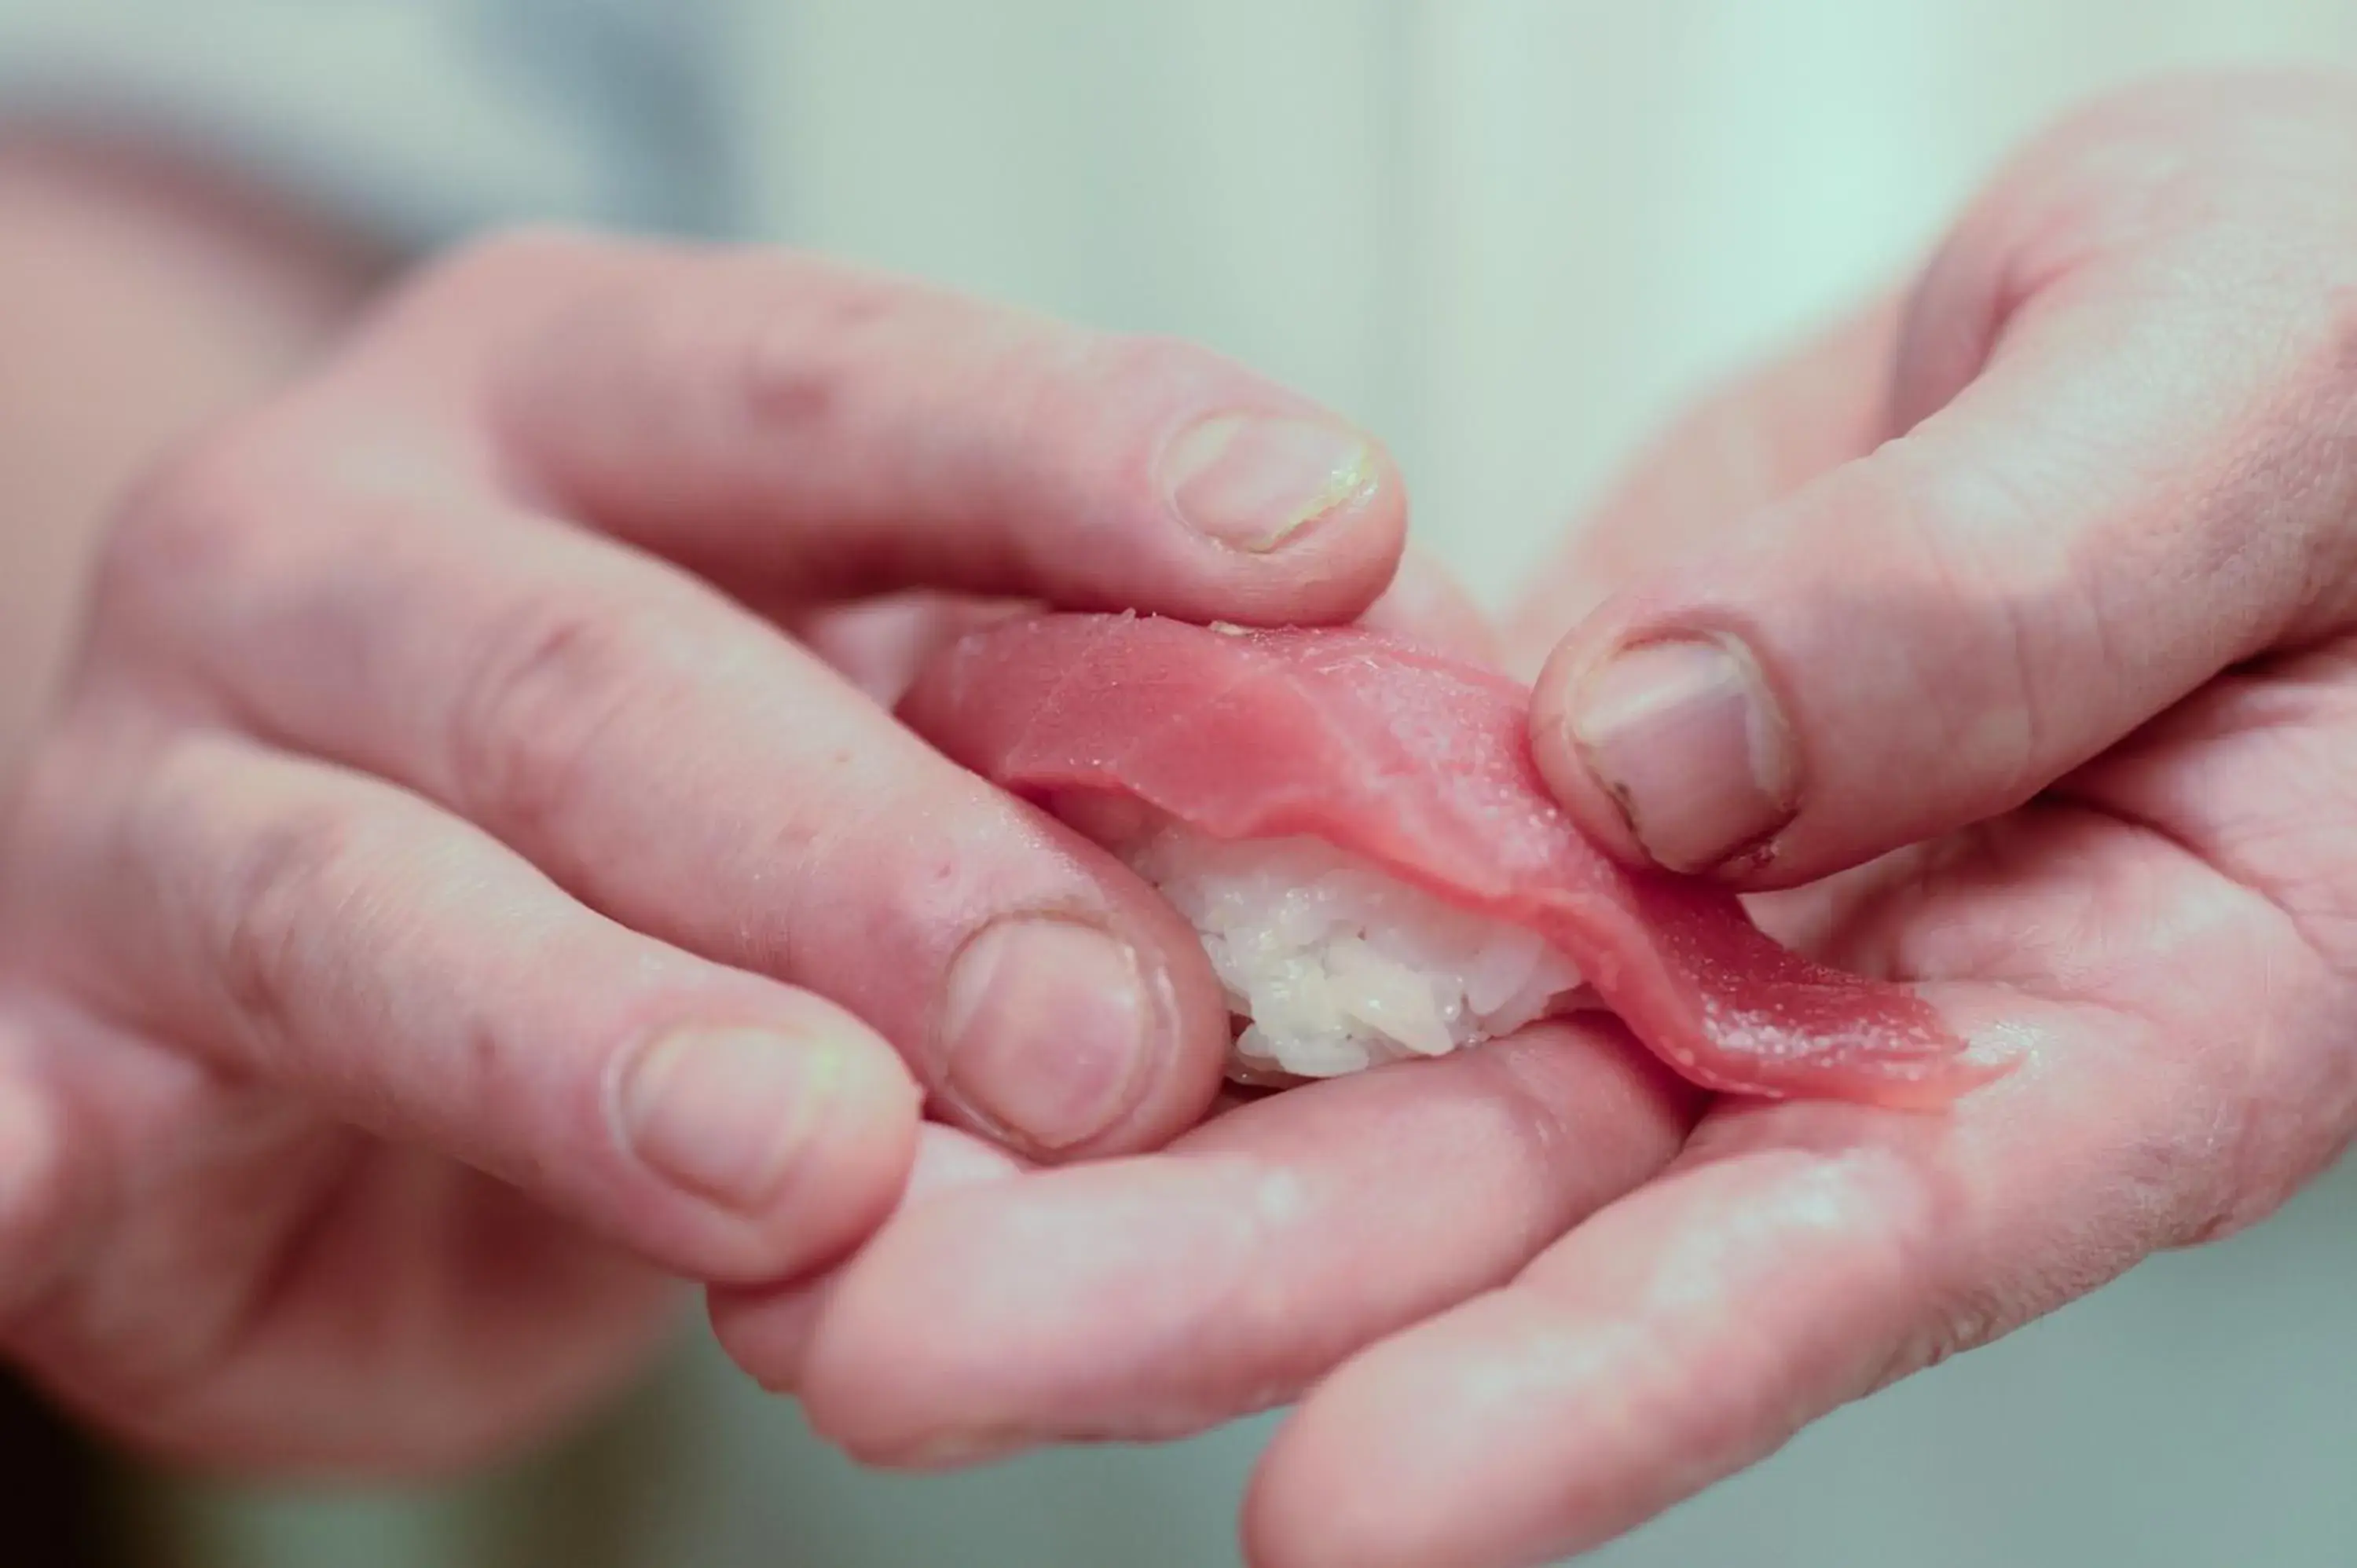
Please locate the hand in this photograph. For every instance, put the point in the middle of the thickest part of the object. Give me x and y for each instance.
(446, 898)
(2049, 575)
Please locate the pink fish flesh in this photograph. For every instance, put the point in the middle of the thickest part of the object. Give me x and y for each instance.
(1420, 765)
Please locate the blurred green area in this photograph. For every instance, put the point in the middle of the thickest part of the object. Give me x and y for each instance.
(2198, 1415)
(702, 1470)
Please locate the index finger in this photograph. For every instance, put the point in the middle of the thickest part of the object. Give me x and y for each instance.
(790, 426)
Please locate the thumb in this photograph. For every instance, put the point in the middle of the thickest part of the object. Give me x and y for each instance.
(2142, 484)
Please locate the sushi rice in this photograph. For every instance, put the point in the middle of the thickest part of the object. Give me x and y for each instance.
(1334, 966)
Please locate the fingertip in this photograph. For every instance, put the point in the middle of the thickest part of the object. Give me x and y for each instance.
(1082, 1300)
(1197, 1032)
(858, 1167)
(1265, 1528)
(795, 1138)
(1674, 746)
(1091, 1029)
(1563, 762)
(865, 1151)
(1341, 564)
(870, 1363)
(1298, 517)
(1305, 1507)
(1257, 482)
(768, 1331)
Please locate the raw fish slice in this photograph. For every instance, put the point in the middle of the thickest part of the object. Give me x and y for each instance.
(1420, 765)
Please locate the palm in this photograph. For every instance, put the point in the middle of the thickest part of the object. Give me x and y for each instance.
(1677, 1300)
(1588, 1291)
(2164, 939)
(257, 1284)
(2167, 978)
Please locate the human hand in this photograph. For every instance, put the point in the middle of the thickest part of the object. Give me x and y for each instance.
(2051, 578)
(446, 898)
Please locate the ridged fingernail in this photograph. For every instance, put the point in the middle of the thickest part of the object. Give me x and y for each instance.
(1251, 482)
(723, 1113)
(1048, 1030)
(1684, 735)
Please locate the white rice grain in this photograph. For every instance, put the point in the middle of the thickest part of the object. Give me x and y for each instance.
(1335, 965)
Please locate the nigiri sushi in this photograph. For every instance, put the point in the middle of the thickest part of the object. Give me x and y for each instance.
(1355, 828)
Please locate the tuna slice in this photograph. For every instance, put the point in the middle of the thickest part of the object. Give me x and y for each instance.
(1420, 765)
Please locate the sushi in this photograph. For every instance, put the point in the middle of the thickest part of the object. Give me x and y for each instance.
(1331, 966)
(1356, 829)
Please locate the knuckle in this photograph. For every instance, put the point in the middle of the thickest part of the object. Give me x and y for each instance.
(560, 676)
(823, 845)
(200, 517)
(290, 881)
(803, 332)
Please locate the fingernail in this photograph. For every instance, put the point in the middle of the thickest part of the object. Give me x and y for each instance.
(723, 1113)
(1048, 1030)
(1253, 482)
(1686, 737)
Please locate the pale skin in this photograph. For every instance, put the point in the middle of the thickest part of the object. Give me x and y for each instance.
(2050, 571)
(463, 881)
(2046, 572)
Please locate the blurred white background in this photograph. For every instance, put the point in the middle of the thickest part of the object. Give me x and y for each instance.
(1512, 236)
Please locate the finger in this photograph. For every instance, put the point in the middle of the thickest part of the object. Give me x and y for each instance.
(1801, 1255)
(1675, 1338)
(328, 933)
(878, 645)
(1163, 1293)
(679, 765)
(768, 1331)
(1754, 441)
(881, 644)
(781, 419)
(2134, 490)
